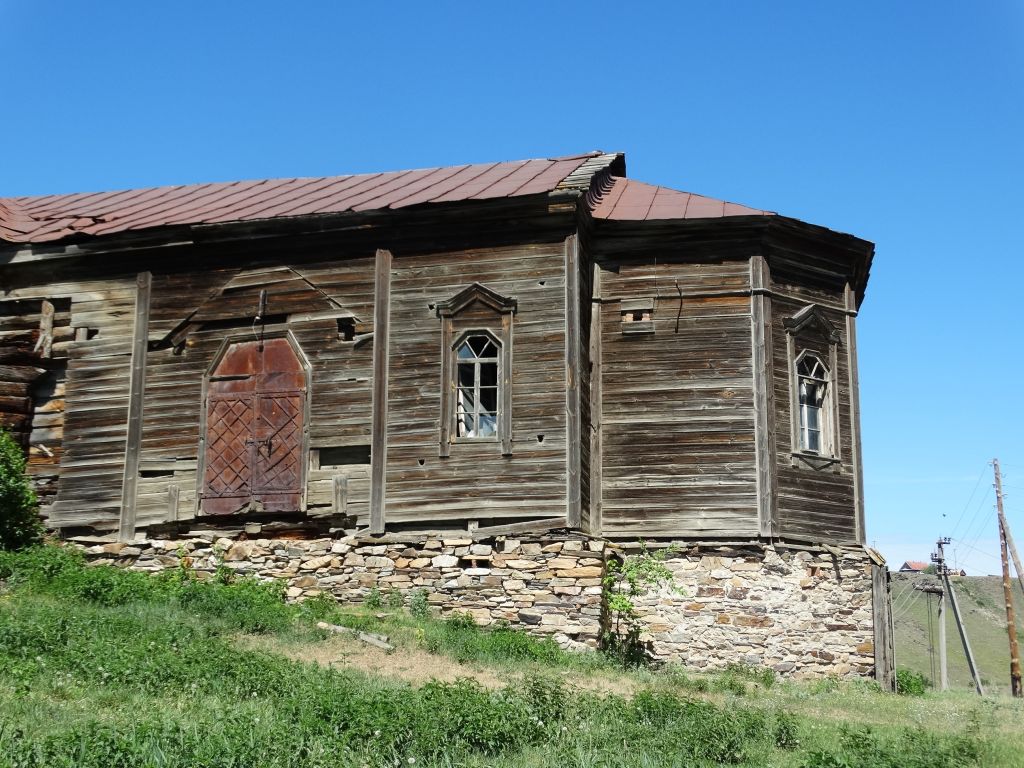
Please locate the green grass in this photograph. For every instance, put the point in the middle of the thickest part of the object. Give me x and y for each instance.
(100, 667)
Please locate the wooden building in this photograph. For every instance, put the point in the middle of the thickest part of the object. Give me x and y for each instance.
(540, 344)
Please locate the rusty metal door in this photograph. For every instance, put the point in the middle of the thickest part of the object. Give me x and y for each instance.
(255, 415)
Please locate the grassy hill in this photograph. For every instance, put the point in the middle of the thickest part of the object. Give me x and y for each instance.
(981, 602)
(103, 668)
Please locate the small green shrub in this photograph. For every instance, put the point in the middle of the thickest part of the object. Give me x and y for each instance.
(624, 581)
(19, 509)
(911, 683)
(419, 606)
(374, 601)
(395, 599)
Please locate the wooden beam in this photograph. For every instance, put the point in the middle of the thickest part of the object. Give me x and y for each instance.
(173, 494)
(444, 443)
(573, 510)
(340, 494)
(136, 393)
(881, 603)
(505, 412)
(764, 399)
(854, 387)
(378, 440)
(596, 408)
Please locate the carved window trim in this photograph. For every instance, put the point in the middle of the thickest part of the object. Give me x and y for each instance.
(454, 331)
(810, 325)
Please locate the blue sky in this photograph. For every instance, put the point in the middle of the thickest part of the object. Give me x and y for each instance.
(902, 123)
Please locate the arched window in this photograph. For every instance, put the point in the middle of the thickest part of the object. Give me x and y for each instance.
(476, 409)
(812, 392)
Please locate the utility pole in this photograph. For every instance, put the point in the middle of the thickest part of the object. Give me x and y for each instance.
(1009, 537)
(1011, 623)
(940, 559)
(940, 593)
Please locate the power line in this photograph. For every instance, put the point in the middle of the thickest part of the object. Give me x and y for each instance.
(977, 484)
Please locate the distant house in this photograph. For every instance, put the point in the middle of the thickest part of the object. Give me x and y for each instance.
(913, 566)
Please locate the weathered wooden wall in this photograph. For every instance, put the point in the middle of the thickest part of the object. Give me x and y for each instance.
(815, 502)
(677, 407)
(475, 481)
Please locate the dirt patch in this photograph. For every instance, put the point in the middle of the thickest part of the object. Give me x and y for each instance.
(409, 664)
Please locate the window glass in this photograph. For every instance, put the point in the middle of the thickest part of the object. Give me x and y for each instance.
(813, 384)
(476, 411)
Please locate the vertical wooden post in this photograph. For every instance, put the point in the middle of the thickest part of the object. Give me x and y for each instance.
(764, 396)
(173, 494)
(505, 406)
(854, 386)
(136, 394)
(573, 510)
(378, 440)
(1011, 622)
(448, 393)
(45, 343)
(596, 409)
(881, 604)
(339, 485)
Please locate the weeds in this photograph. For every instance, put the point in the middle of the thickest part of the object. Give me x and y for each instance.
(103, 667)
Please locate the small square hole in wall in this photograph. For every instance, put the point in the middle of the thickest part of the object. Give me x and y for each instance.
(637, 316)
(346, 328)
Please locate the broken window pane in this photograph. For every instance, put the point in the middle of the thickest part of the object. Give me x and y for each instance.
(812, 387)
(477, 374)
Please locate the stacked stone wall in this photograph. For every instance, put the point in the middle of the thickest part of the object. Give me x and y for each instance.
(802, 612)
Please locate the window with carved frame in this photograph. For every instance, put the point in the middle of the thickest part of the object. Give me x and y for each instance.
(812, 342)
(476, 369)
(813, 394)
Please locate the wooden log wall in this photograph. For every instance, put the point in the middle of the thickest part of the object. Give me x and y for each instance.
(475, 481)
(35, 336)
(677, 406)
(816, 501)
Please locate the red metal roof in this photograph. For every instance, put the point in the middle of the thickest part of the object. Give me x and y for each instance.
(54, 217)
(628, 200)
(51, 218)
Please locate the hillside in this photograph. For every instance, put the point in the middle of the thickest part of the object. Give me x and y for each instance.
(101, 668)
(981, 601)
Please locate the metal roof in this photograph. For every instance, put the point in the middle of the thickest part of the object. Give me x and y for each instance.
(50, 218)
(627, 200)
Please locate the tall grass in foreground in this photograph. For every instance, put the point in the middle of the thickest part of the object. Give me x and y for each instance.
(102, 667)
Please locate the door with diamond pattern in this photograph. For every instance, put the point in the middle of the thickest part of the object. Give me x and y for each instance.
(255, 413)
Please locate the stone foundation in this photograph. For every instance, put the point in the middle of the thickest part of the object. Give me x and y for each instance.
(802, 612)
(799, 612)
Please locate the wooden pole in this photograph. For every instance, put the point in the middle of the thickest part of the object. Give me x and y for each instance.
(379, 432)
(1011, 623)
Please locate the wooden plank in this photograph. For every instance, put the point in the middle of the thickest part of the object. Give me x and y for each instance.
(447, 390)
(596, 407)
(339, 497)
(573, 511)
(854, 387)
(173, 493)
(45, 343)
(505, 415)
(764, 401)
(136, 389)
(381, 339)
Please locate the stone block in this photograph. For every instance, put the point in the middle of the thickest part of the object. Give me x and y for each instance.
(316, 562)
(444, 561)
(479, 550)
(523, 565)
(586, 572)
(457, 542)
